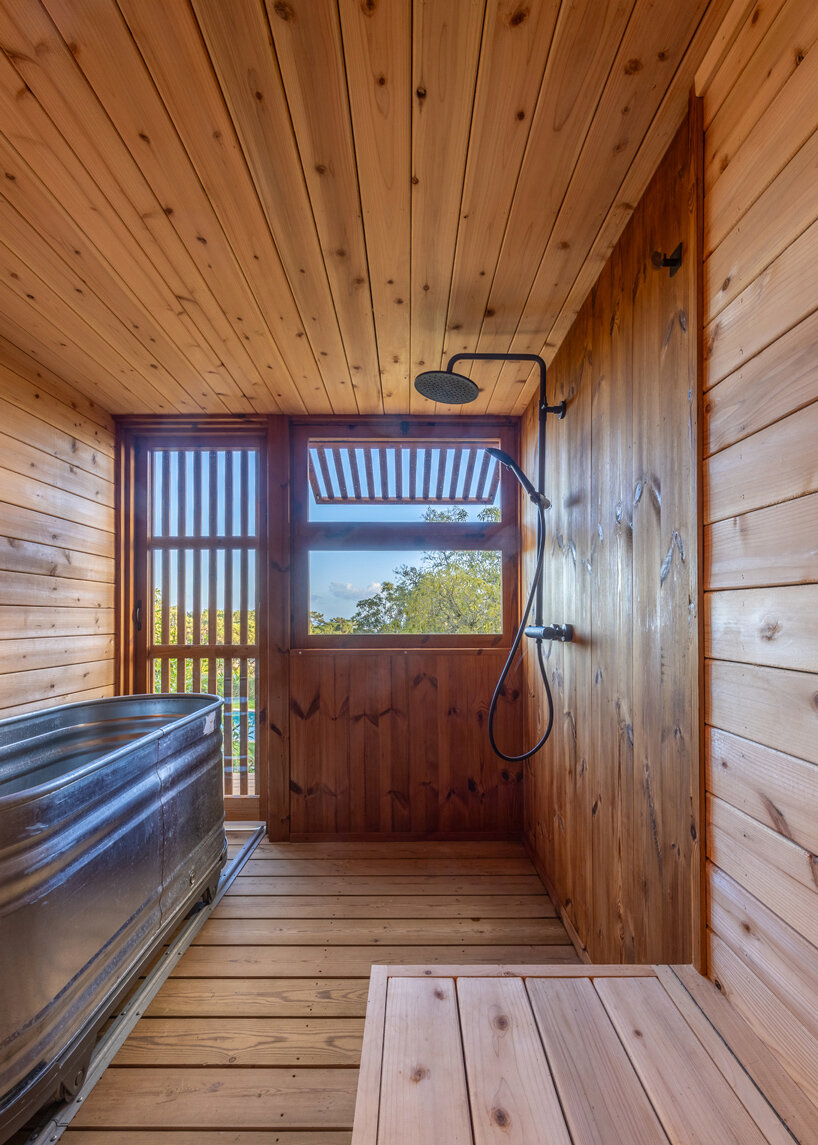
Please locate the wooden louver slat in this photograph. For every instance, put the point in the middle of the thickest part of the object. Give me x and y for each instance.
(446, 460)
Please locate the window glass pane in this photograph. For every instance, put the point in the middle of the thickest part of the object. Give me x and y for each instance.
(451, 592)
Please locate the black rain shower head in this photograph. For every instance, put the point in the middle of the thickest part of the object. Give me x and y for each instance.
(446, 387)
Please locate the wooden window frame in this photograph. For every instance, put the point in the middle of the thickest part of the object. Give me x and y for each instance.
(309, 535)
(136, 437)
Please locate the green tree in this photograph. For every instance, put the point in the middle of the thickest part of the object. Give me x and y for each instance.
(449, 592)
(337, 625)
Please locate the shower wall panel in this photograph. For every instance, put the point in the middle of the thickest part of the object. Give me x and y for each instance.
(394, 743)
(612, 804)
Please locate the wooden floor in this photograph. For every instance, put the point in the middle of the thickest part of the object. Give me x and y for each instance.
(256, 1038)
(571, 1055)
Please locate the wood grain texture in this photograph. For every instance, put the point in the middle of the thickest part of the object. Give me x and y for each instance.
(243, 1042)
(777, 381)
(414, 885)
(162, 260)
(206, 1137)
(332, 867)
(601, 1096)
(352, 961)
(692, 1099)
(773, 952)
(780, 873)
(769, 705)
(511, 1090)
(612, 804)
(748, 476)
(792, 1042)
(56, 547)
(597, 1055)
(770, 546)
(281, 1000)
(173, 1097)
(784, 1094)
(259, 998)
(473, 907)
(724, 1056)
(774, 788)
(422, 1077)
(775, 627)
(409, 931)
(786, 118)
(760, 154)
(393, 743)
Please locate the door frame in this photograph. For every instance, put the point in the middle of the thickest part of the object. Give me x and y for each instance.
(270, 435)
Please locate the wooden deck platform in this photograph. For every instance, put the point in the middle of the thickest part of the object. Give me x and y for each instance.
(572, 1055)
(256, 1038)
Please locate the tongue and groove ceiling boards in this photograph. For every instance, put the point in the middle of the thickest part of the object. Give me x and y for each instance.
(295, 205)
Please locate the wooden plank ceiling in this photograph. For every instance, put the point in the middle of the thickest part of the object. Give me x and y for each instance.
(295, 205)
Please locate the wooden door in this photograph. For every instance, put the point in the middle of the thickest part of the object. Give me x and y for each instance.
(199, 541)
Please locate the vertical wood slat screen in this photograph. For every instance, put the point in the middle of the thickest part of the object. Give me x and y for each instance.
(203, 546)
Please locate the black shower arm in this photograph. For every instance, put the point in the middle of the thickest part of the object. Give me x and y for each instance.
(544, 408)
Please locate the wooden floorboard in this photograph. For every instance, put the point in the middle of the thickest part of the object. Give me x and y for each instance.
(416, 885)
(244, 905)
(256, 1037)
(206, 1137)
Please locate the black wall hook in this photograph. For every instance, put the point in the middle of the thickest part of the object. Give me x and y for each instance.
(672, 261)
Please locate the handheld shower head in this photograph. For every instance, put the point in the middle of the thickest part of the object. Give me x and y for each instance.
(511, 464)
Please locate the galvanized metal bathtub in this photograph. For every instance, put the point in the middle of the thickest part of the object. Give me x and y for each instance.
(111, 828)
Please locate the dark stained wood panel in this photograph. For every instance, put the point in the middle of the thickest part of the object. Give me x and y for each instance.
(395, 743)
(446, 175)
(611, 809)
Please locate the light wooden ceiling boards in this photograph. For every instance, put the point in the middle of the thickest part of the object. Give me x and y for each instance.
(214, 206)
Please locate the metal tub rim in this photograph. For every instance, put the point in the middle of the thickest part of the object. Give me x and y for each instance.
(48, 786)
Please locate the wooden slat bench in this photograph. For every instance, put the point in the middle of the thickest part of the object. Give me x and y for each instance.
(567, 1055)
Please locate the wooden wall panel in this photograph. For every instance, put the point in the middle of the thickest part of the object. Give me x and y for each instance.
(395, 743)
(56, 542)
(612, 803)
(761, 553)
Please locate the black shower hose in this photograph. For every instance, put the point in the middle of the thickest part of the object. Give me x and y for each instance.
(516, 644)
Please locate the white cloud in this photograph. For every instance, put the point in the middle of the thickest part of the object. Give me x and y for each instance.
(352, 592)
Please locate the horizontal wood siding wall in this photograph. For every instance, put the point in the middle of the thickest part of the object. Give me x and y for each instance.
(56, 541)
(761, 526)
(612, 803)
(395, 743)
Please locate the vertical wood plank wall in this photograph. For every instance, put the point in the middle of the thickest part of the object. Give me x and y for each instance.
(395, 743)
(56, 540)
(612, 803)
(761, 527)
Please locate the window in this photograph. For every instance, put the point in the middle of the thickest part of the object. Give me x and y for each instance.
(404, 534)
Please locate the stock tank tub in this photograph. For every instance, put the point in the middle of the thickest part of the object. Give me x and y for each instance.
(111, 828)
